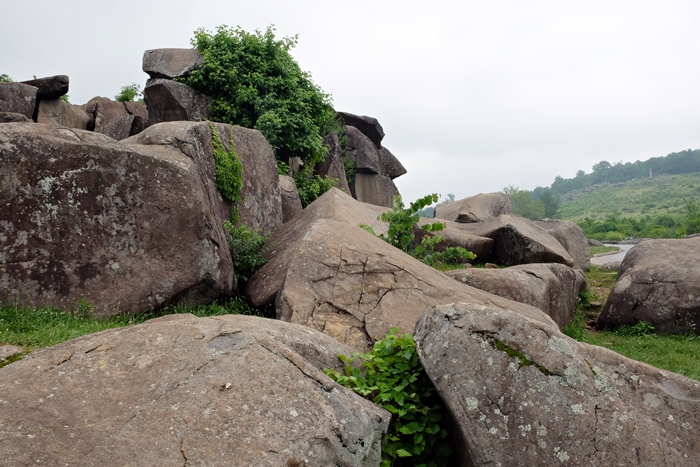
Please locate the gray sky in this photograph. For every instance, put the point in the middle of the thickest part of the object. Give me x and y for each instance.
(473, 95)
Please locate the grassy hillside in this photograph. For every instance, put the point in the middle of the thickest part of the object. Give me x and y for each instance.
(662, 195)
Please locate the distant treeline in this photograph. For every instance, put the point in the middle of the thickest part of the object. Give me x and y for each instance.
(675, 163)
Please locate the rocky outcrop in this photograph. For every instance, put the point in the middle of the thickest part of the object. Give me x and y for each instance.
(478, 208)
(7, 351)
(18, 98)
(551, 287)
(181, 390)
(389, 165)
(103, 111)
(58, 112)
(361, 151)
(291, 202)
(374, 189)
(12, 117)
(368, 126)
(333, 166)
(125, 227)
(519, 241)
(482, 247)
(523, 394)
(572, 238)
(658, 282)
(50, 87)
(171, 63)
(170, 101)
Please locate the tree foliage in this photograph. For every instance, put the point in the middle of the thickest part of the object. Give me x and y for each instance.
(5, 79)
(129, 93)
(522, 203)
(254, 82)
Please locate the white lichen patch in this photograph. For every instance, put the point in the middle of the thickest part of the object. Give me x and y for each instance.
(524, 429)
(541, 431)
(472, 403)
(578, 409)
(560, 345)
(493, 431)
(562, 455)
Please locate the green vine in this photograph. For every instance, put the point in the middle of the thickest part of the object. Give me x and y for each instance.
(247, 249)
(229, 171)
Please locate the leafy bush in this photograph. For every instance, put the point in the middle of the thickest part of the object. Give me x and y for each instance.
(392, 377)
(642, 328)
(247, 249)
(311, 186)
(229, 171)
(254, 82)
(129, 93)
(5, 79)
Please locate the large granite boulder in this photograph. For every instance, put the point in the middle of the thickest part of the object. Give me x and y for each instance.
(482, 247)
(181, 390)
(50, 87)
(170, 101)
(524, 394)
(551, 287)
(658, 282)
(13, 117)
(572, 238)
(479, 208)
(389, 165)
(373, 189)
(18, 98)
(261, 208)
(58, 112)
(369, 126)
(519, 241)
(333, 166)
(103, 110)
(171, 63)
(291, 201)
(361, 151)
(123, 227)
(123, 127)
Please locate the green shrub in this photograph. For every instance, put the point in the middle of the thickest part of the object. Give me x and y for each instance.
(642, 328)
(229, 171)
(129, 93)
(311, 186)
(5, 79)
(392, 377)
(254, 82)
(247, 249)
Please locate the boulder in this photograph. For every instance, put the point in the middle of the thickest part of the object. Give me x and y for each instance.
(123, 227)
(123, 127)
(610, 266)
(171, 63)
(103, 110)
(523, 394)
(658, 282)
(51, 87)
(479, 208)
(181, 390)
(7, 351)
(551, 287)
(333, 166)
(519, 241)
(594, 242)
(389, 165)
(373, 189)
(12, 117)
(58, 112)
(261, 208)
(169, 101)
(18, 98)
(361, 151)
(482, 247)
(354, 287)
(291, 202)
(369, 126)
(572, 238)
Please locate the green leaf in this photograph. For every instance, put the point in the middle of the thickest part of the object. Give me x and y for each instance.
(403, 453)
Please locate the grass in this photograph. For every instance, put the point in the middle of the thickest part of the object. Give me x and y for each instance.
(676, 353)
(596, 250)
(42, 327)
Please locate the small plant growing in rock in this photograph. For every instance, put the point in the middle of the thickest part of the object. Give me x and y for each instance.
(392, 377)
(5, 79)
(247, 249)
(129, 93)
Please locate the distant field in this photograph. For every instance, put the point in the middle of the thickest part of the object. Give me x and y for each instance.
(637, 198)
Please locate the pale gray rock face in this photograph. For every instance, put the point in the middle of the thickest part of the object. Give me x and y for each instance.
(171, 63)
(658, 282)
(360, 149)
(389, 165)
(551, 287)
(123, 127)
(124, 227)
(50, 87)
(479, 208)
(13, 117)
(369, 126)
(181, 390)
(519, 241)
(572, 238)
(374, 189)
(58, 112)
(103, 110)
(169, 101)
(18, 98)
(291, 202)
(569, 403)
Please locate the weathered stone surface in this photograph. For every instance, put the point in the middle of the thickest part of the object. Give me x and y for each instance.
(369, 126)
(171, 63)
(57, 112)
(610, 266)
(572, 238)
(361, 151)
(10, 117)
(333, 166)
(169, 101)
(373, 189)
(123, 127)
(7, 351)
(354, 287)
(479, 208)
(261, 208)
(181, 390)
(50, 87)
(519, 241)
(658, 282)
(103, 110)
(482, 247)
(389, 165)
(291, 202)
(124, 227)
(551, 287)
(18, 98)
(594, 242)
(569, 403)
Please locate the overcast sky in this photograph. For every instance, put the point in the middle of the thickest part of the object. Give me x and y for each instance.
(473, 95)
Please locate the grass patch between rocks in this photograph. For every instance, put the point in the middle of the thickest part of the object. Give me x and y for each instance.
(597, 250)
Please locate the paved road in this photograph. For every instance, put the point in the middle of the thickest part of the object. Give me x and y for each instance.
(610, 258)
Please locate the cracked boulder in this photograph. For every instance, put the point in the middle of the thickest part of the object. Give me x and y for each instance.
(170, 101)
(123, 227)
(551, 287)
(524, 394)
(102, 111)
(482, 247)
(572, 238)
(181, 390)
(479, 208)
(658, 282)
(519, 241)
(58, 112)
(18, 98)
